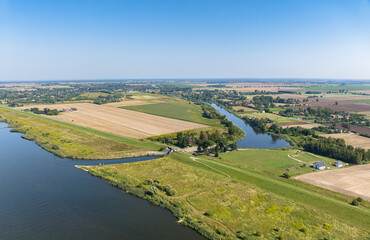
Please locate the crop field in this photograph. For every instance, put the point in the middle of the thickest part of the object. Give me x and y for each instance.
(337, 87)
(119, 121)
(128, 103)
(354, 181)
(70, 140)
(230, 202)
(274, 162)
(362, 100)
(274, 117)
(176, 109)
(298, 124)
(352, 139)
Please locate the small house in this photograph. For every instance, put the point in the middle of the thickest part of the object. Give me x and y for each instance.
(339, 164)
(319, 165)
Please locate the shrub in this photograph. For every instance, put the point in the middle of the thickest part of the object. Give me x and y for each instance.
(242, 234)
(257, 234)
(327, 226)
(148, 182)
(355, 202)
(55, 147)
(221, 232)
(208, 213)
(286, 175)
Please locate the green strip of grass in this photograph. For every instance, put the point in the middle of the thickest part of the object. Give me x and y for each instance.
(114, 137)
(296, 193)
(177, 109)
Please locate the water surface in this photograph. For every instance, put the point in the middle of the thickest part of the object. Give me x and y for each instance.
(45, 197)
(252, 138)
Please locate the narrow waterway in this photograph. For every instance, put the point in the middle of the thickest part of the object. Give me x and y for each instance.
(45, 197)
(252, 138)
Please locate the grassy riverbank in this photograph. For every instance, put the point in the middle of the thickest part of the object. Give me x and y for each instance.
(225, 201)
(69, 140)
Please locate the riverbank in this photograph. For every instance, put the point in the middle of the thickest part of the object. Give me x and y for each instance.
(75, 142)
(224, 201)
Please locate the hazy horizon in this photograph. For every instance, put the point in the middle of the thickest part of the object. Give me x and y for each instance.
(162, 39)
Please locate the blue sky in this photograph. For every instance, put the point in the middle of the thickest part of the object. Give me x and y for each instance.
(56, 40)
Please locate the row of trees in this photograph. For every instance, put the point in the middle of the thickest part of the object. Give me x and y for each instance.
(46, 111)
(336, 148)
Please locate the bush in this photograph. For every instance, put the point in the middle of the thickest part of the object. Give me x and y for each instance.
(327, 226)
(257, 234)
(55, 147)
(208, 213)
(355, 202)
(148, 182)
(286, 175)
(242, 234)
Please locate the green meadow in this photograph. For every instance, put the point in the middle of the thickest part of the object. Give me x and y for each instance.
(177, 109)
(224, 200)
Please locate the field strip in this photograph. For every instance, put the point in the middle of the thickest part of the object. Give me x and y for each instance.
(194, 159)
(119, 121)
(315, 155)
(299, 194)
(295, 159)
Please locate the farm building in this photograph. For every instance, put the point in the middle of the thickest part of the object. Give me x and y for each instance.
(319, 165)
(339, 164)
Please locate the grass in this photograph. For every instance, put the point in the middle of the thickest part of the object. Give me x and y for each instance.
(223, 201)
(362, 100)
(72, 140)
(274, 162)
(177, 109)
(274, 117)
(337, 87)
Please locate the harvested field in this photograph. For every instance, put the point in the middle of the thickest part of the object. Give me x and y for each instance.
(298, 124)
(119, 121)
(128, 103)
(352, 139)
(354, 181)
(343, 105)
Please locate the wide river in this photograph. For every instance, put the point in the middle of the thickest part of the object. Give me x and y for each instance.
(45, 197)
(252, 139)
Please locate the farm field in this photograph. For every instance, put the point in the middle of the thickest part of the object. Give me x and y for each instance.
(337, 87)
(73, 141)
(354, 181)
(362, 100)
(274, 117)
(352, 139)
(215, 196)
(119, 121)
(176, 109)
(128, 103)
(274, 162)
(298, 124)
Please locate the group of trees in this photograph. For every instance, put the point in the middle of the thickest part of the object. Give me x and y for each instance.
(115, 97)
(327, 115)
(45, 111)
(260, 102)
(336, 148)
